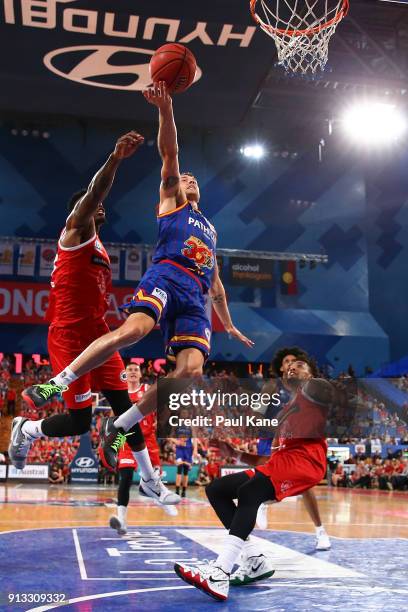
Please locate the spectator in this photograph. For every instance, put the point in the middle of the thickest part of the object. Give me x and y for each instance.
(11, 401)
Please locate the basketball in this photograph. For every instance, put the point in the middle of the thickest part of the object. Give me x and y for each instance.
(175, 65)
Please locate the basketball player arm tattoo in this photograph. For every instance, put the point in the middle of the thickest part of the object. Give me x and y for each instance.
(101, 184)
(219, 300)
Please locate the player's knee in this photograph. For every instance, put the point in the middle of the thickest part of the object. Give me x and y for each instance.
(81, 420)
(133, 330)
(245, 494)
(188, 370)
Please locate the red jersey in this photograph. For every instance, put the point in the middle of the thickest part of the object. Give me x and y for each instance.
(302, 421)
(80, 282)
(148, 424)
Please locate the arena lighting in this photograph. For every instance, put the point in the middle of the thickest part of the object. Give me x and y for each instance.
(374, 123)
(253, 151)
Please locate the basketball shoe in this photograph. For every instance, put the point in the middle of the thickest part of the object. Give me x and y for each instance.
(207, 577)
(252, 569)
(322, 539)
(112, 439)
(19, 444)
(38, 395)
(115, 523)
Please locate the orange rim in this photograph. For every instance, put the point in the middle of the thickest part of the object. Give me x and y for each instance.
(308, 31)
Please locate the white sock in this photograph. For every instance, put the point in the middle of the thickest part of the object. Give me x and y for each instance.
(122, 512)
(129, 418)
(231, 550)
(250, 549)
(32, 429)
(66, 377)
(143, 459)
(320, 530)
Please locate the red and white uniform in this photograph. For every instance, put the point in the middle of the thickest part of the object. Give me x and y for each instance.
(80, 282)
(148, 427)
(300, 462)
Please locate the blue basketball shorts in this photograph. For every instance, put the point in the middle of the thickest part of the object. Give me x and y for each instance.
(184, 454)
(174, 297)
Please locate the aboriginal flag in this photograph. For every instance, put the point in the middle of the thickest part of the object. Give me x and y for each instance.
(288, 281)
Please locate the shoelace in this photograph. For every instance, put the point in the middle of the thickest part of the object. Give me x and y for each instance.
(119, 441)
(49, 389)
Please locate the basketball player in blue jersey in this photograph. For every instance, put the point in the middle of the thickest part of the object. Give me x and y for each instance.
(171, 292)
(186, 452)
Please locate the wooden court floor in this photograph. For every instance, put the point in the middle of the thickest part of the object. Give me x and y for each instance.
(345, 513)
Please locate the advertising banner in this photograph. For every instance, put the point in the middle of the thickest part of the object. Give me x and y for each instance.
(30, 472)
(26, 259)
(251, 272)
(84, 466)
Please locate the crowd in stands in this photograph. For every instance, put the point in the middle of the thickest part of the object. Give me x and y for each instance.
(401, 383)
(369, 473)
(372, 424)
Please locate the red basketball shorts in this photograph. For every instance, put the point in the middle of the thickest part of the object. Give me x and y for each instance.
(294, 470)
(65, 344)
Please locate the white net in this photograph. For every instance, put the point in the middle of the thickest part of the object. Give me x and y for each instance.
(301, 29)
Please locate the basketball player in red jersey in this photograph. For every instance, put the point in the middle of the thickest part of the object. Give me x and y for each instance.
(297, 465)
(80, 282)
(280, 364)
(127, 463)
(171, 291)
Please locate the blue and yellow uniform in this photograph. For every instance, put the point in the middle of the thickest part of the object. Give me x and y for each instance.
(184, 444)
(172, 290)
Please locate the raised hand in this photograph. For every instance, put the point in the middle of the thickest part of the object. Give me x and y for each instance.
(158, 95)
(127, 145)
(235, 333)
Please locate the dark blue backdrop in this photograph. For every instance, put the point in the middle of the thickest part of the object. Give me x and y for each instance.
(343, 312)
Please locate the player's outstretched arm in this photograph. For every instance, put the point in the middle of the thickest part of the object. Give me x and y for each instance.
(171, 193)
(99, 187)
(219, 299)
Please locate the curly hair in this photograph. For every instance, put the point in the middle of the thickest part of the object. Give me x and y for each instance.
(298, 353)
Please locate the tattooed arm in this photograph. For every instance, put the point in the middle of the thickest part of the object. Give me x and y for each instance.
(171, 192)
(219, 300)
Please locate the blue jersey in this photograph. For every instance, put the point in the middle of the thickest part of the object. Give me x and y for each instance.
(187, 238)
(185, 432)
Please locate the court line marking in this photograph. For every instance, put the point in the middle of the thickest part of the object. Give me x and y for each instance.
(173, 588)
(104, 595)
(212, 526)
(80, 559)
(325, 585)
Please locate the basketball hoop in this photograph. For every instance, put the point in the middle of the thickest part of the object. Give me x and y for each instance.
(301, 29)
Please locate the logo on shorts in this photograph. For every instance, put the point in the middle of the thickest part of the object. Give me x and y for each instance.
(84, 462)
(286, 484)
(123, 376)
(159, 293)
(207, 333)
(82, 397)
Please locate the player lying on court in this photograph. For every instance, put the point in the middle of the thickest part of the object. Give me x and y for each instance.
(281, 361)
(80, 282)
(298, 464)
(171, 292)
(127, 461)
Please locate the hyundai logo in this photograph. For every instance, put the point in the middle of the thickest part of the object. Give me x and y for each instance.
(84, 462)
(107, 66)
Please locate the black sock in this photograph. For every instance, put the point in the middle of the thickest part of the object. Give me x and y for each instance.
(183, 492)
(177, 490)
